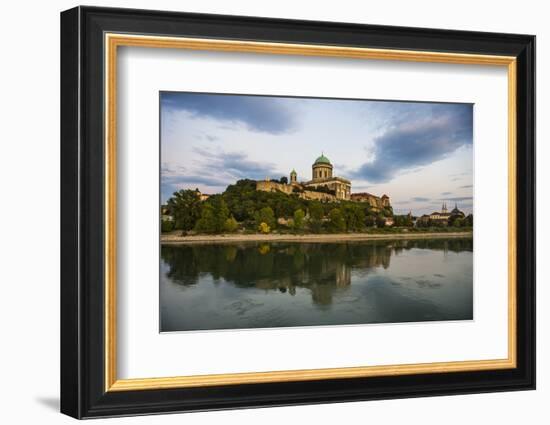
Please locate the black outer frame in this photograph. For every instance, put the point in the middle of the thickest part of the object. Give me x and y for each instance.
(82, 207)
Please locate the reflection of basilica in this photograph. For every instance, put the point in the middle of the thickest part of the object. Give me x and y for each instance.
(343, 275)
(323, 269)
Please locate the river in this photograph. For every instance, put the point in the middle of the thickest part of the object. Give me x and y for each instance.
(245, 285)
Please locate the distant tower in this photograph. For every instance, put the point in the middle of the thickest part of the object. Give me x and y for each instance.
(293, 176)
(444, 208)
(321, 168)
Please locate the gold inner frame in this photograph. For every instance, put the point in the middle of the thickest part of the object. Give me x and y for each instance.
(113, 41)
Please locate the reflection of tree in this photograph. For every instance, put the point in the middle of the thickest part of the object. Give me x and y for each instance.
(321, 268)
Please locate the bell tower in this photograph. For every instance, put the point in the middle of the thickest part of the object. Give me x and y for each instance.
(293, 176)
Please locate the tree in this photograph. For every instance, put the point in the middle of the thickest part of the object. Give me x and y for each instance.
(241, 199)
(214, 215)
(207, 223)
(298, 220)
(354, 217)
(231, 225)
(402, 220)
(221, 212)
(336, 220)
(185, 206)
(380, 222)
(265, 215)
(316, 214)
(458, 222)
(284, 180)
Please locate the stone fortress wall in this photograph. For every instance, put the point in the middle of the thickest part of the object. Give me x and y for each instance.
(375, 202)
(271, 186)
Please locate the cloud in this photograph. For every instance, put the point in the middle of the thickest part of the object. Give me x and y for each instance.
(446, 193)
(467, 186)
(192, 180)
(213, 170)
(207, 137)
(258, 113)
(231, 166)
(420, 199)
(418, 135)
(176, 177)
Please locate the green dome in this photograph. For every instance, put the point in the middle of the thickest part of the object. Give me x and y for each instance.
(322, 160)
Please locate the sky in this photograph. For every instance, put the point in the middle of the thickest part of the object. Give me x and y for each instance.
(419, 154)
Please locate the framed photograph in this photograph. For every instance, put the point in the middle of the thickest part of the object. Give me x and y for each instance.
(261, 212)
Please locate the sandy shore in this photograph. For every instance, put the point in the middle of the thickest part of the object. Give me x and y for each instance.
(326, 238)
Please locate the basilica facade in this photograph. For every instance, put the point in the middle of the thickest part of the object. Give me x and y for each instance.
(321, 177)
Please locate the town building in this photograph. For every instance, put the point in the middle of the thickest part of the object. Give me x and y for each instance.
(202, 196)
(165, 213)
(389, 221)
(442, 217)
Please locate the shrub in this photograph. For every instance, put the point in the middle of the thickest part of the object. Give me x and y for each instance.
(230, 225)
(264, 228)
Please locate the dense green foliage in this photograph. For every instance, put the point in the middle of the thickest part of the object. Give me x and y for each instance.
(185, 207)
(214, 215)
(337, 223)
(243, 208)
(316, 215)
(265, 215)
(231, 225)
(298, 221)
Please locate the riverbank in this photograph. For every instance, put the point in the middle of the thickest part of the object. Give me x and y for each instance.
(320, 238)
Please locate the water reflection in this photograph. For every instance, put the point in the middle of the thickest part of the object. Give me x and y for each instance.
(247, 285)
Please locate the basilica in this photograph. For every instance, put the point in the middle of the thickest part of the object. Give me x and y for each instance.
(323, 186)
(321, 177)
